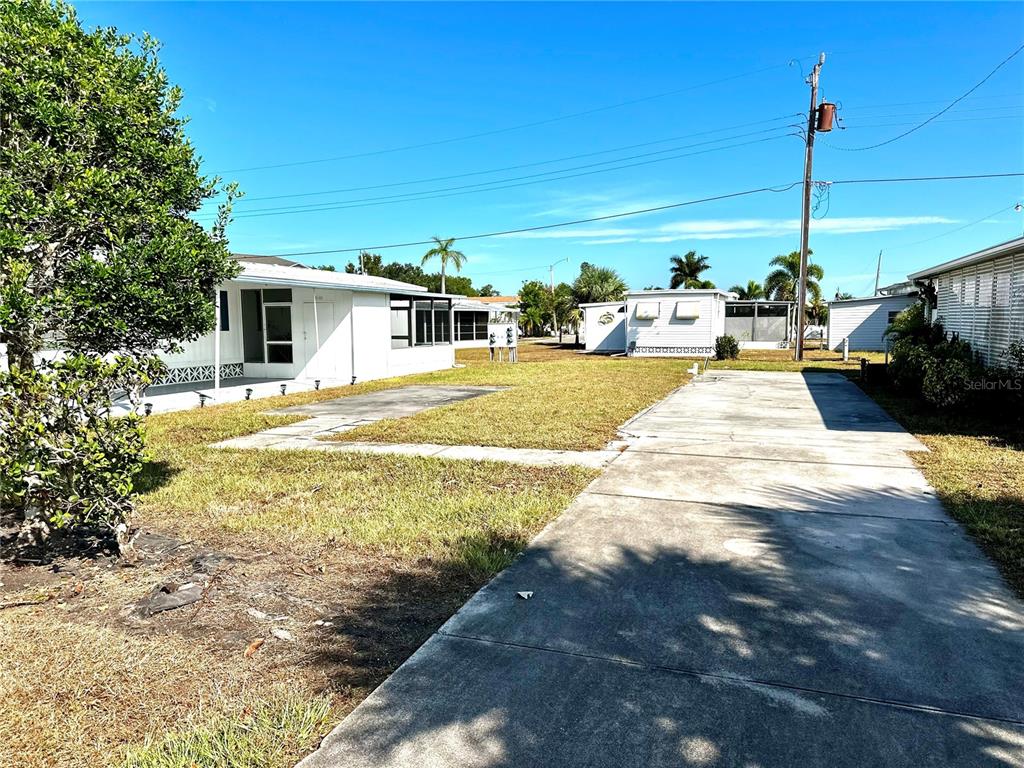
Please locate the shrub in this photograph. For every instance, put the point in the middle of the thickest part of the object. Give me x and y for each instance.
(66, 461)
(726, 348)
(947, 382)
(907, 364)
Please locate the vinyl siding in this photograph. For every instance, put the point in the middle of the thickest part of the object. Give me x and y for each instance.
(863, 322)
(984, 304)
(668, 337)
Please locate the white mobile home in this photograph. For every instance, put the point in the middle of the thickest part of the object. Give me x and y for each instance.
(474, 320)
(980, 297)
(675, 323)
(285, 322)
(604, 326)
(761, 324)
(863, 321)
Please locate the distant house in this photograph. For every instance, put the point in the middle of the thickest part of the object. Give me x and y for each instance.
(980, 297)
(475, 318)
(863, 321)
(604, 326)
(675, 323)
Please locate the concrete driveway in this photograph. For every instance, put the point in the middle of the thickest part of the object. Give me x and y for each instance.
(762, 579)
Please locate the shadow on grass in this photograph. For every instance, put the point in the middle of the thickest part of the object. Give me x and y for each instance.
(919, 417)
(397, 612)
(155, 475)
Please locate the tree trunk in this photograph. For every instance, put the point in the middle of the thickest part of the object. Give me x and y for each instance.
(442, 277)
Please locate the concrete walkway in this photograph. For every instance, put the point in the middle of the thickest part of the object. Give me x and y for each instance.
(763, 579)
(330, 417)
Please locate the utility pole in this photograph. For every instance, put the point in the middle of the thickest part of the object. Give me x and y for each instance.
(878, 273)
(805, 219)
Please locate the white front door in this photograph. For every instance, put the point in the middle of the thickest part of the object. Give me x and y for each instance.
(321, 357)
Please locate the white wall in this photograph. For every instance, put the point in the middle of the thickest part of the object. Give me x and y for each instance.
(200, 351)
(863, 321)
(984, 304)
(354, 331)
(668, 337)
(605, 336)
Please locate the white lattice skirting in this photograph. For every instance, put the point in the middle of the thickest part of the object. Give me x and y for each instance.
(187, 374)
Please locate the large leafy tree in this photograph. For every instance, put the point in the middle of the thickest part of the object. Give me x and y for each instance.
(534, 306)
(444, 251)
(752, 291)
(99, 255)
(781, 283)
(685, 271)
(596, 284)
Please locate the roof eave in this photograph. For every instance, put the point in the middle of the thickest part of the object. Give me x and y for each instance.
(993, 252)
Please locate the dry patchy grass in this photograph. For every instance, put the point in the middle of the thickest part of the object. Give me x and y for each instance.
(556, 399)
(359, 557)
(782, 360)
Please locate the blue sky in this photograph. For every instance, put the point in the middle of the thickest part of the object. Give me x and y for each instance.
(278, 83)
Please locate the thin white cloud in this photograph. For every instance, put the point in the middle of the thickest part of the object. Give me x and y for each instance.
(733, 229)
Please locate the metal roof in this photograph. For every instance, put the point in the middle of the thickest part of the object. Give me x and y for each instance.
(879, 297)
(993, 252)
(682, 292)
(302, 277)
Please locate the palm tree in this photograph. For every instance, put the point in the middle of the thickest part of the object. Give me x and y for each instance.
(596, 284)
(532, 321)
(781, 284)
(686, 271)
(444, 251)
(752, 292)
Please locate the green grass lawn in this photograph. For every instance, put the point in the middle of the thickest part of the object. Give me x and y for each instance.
(977, 467)
(557, 399)
(384, 548)
(782, 360)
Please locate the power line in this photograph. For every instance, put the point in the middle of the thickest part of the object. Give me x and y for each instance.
(777, 188)
(928, 178)
(784, 188)
(508, 129)
(528, 165)
(595, 153)
(941, 112)
(488, 186)
(953, 231)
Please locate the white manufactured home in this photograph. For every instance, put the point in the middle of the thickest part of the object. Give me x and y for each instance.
(980, 297)
(287, 322)
(761, 324)
(604, 326)
(862, 323)
(675, 323)
(475, 320)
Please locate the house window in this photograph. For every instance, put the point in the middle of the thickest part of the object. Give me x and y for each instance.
(225, 323)
(420, 322)
(278, 329)
(892, 316)
(400, 323)
(480, 325)
(424, 323)
(277, 295)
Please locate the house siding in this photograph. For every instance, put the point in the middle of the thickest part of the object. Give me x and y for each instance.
(608, 337)
(983, 304)
(863, 322)
(666, 336)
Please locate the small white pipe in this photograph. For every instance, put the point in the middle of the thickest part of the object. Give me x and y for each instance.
(216, 341)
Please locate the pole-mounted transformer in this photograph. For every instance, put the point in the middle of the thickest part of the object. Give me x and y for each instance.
(826, 116)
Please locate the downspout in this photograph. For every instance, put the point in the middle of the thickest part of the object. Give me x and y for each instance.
(316, 329)
(216, 343)
(352, 330)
